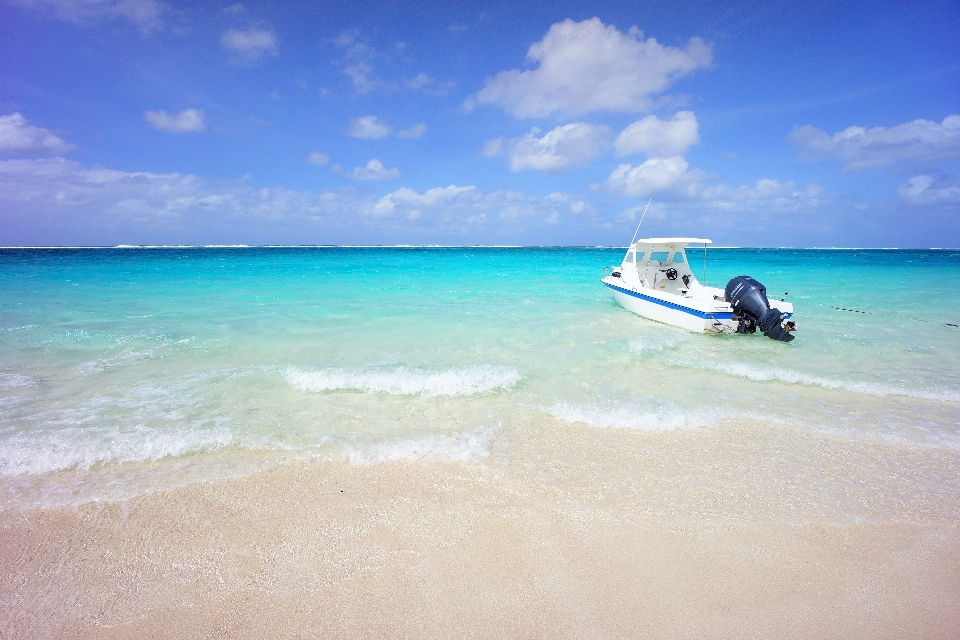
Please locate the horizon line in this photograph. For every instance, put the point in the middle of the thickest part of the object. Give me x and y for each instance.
(438, 246)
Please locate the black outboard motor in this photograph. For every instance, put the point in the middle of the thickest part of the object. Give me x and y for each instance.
(750, 305)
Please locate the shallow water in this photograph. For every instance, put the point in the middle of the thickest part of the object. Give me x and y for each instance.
(128, 371)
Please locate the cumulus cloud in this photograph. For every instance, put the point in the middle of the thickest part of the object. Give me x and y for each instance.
(19, 137)
(879, 147)
(368, 128)
(415, 131)
(59, 201)
(655, 177)
(187, 121)
(372, 128)
(924, 191)
(588, 66)
(656, 137)
(317, 159)
(250, 45)
(147, 15)
(559, 150)
(373, 171)
(466, 208)
(413, 202)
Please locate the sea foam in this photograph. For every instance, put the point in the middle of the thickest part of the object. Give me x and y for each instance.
(776, 374)
(79, 448)
(455, 382)
(16, 380)
(654, 417)
(460, 447)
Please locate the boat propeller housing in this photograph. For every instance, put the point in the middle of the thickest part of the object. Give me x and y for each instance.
(748, 298)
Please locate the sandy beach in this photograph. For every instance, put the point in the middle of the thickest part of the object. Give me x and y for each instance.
(561, 546)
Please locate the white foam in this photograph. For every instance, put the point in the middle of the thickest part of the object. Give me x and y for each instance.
(652, 417)
(461, 447)
(74, 448)
(16, 380)
(462, 381)
(768, 374)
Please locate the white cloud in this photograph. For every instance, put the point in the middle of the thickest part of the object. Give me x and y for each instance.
(373, 171)
(411, 201)
(924, 191)
(96, 205)
(250, 45)
(655, 177)
(357, 61)
(317, 159)
(372, 128)
(656, 137)
(368, 128)
(430, 86)
(187, 121)
(147, 15)
(420, 81)
(879, 147)
(467, 208)
(415, 131)
(588, 66)
(559, 150)
(21, 138)
(667, 179)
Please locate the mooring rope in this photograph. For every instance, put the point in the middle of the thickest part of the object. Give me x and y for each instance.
(874, 313)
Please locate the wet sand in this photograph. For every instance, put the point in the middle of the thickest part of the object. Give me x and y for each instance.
(549, 537)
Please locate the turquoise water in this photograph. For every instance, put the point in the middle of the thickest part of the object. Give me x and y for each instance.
(129, 370)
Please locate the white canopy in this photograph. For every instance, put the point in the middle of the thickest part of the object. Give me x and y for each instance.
(674, 241)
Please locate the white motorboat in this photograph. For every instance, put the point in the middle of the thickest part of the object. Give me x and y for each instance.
(655, 281)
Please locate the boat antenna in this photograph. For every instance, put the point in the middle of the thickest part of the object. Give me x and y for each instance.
(641, 220)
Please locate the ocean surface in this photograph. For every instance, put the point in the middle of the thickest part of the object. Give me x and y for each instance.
(125, 372)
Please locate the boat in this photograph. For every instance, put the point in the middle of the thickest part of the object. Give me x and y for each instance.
(655, 281)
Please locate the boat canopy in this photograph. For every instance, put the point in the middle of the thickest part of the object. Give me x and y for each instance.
(676, 242)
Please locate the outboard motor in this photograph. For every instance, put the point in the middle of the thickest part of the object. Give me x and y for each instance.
(750, 305)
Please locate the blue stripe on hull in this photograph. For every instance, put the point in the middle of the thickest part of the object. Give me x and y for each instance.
(671, 305)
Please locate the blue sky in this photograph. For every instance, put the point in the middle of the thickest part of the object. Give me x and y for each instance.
(755, 124)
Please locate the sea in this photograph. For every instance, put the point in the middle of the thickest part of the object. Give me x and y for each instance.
(130, 371)
(472, 442)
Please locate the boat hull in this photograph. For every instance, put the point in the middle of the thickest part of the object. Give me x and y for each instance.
(678, 311)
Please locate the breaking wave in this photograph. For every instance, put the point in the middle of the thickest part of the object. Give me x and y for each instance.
(463, 381)
(77, 448)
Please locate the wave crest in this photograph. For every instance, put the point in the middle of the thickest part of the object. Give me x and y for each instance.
(463, 381)
(81, 449)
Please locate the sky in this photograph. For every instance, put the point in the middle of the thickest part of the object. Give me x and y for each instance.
(798, 123)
